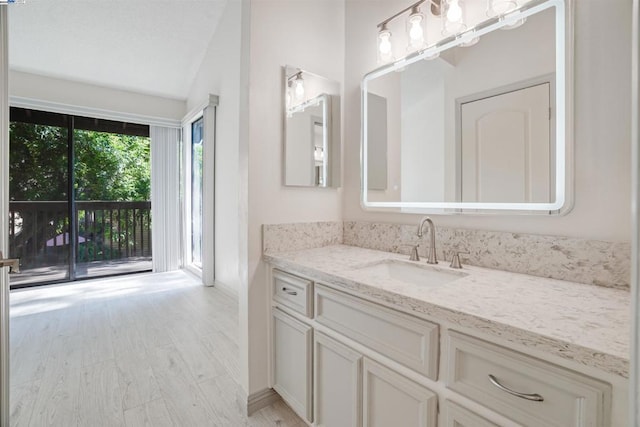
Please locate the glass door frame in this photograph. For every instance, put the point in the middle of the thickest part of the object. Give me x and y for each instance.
(186, 177)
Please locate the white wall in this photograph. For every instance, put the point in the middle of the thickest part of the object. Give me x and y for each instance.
(77, 94)
(219, 75)
(423, 171)
(602, 125)
(310, 35)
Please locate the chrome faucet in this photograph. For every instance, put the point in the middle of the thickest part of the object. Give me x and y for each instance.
(432, 258)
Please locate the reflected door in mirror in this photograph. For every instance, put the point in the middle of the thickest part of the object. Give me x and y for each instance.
(506, 147)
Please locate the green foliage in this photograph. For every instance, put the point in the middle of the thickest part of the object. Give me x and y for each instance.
(107, 166)
(112, 167)
(38, 162)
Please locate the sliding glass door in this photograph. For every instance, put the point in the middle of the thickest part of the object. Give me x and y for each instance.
(112, 183)
(79, 197)
(39, 188)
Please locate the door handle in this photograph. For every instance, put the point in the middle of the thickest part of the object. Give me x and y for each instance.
(14, 263)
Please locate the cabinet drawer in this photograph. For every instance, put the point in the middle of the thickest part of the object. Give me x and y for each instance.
(454, 415)
(403, 338)
(529, 391)
(293, 292)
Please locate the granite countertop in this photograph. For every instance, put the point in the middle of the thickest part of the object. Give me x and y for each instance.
(584, 323)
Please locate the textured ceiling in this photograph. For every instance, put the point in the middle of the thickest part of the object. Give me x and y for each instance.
(147, 46)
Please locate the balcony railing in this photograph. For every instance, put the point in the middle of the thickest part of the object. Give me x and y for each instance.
(107, 231)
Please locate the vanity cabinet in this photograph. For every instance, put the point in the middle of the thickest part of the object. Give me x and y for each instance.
(454, 415)
(337, 383)
(292, 367)
(339, 360)
(523, 388)
(403, 338)
(390, 399)
(293, 292)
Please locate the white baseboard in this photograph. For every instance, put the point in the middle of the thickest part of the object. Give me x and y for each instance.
(225, 288)
(261, 399)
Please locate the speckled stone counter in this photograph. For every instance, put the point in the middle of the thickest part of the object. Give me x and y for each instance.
(583, 323)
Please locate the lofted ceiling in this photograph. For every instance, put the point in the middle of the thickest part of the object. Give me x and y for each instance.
(147, 46)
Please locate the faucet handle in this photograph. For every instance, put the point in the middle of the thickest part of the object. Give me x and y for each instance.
(455, 259)
(413, 256)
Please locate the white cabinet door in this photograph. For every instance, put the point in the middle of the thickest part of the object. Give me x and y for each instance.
(337, 384)
(454, 415)
(390, 399)
(292, 362)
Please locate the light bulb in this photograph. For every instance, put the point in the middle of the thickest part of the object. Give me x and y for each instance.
(454, 12)
(385, 43)
(299, 88)
(415, 32)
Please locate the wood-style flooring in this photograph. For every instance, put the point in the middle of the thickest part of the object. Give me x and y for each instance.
(145, 350)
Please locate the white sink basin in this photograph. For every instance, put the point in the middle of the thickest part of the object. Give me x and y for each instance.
(410, 272)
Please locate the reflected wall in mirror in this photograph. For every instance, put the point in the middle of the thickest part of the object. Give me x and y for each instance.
(481, 127)
(311, 130)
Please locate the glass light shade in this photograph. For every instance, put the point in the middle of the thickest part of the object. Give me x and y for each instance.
(500, 7)
(299, 88)
(432, 56)
(385, 49)
(415, 31)
(470, 41)
(453, 17)
(514, 24)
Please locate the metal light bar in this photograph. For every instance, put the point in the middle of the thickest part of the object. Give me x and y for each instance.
(435, 9)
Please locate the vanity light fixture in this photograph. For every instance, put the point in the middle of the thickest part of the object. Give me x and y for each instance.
(500, 7)
(469, 39)
(515, 23)
(295, 91)
(415, 30)
(453, 20)
(299, 86)
(385, 53)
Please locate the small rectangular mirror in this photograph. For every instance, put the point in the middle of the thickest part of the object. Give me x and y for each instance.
(311, 130)
(476, 122)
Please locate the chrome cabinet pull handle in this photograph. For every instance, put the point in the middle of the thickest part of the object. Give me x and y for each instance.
(534, 396)
(287, 291)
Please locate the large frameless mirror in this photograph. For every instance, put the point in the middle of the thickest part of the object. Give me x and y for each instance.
(311, 130)
(479, 121)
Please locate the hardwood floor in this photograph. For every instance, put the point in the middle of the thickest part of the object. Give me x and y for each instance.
(146, 350)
